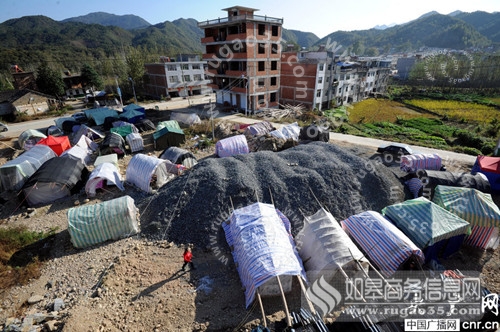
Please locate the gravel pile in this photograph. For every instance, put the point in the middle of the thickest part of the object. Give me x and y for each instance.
(191, 208)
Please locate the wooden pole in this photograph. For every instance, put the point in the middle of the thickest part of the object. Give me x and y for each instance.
(262, 309)
(303, 288)
(288, 319)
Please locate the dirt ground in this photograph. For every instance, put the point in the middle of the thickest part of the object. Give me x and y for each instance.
(135, 284)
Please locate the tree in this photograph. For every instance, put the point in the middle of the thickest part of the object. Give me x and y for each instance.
(49, 81)
(90, 77)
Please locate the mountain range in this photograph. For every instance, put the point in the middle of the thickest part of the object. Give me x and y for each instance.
(28, 39)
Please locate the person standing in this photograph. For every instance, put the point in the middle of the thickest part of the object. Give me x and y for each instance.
(188, 257)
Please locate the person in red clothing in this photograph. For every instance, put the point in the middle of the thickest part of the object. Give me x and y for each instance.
(188, 256)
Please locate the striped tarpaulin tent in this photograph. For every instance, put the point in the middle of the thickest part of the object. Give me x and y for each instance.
(111, 220)
(414, 162)
(386, 246)
(427, 224)
(473, 206)
(262, 247)
(146, 172)
(232, 146)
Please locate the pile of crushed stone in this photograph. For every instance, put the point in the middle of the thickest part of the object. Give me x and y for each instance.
(192, 207)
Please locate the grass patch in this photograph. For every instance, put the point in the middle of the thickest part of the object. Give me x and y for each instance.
(376, 110)
(21, 255)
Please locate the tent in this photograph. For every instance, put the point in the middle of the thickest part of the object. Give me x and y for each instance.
(490, 167)
(179, 156)
(431, 179)
(145, 125)
(14, 173)
(82, 150)
(99, 114)
(132, 115)
(263, 248)
(325, 248)
(386, 246)
(123, 131)
(135, 142)
(475, 207)
(88, 132)
(53, 131)
(149, 172)
(290, 131)
(121, 123)
(414, 162)
(109, 158)
(185, 118)
(314, 133)
(258, 129)
(105, 173)
(134, 107)
(111, 220)
(57, 178)
(59, 144)
(29, 138)
(432, 228)
(168, 133)
(112, 143)
(232, 146)
(66, 124)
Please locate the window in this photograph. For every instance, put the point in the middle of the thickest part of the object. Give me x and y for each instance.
(321, 67)
(274, 48)
(320, 79)
(197, 77)
(261, 101)
(195, 67)
(348, 77)
(274, 81)
(173, 79)
(262, 65)
(274, 65)
(261, 82)
(262, 48)
(171, 67)
(274, 30)
(262, 29)
(187, 78)
(272, 97)
(185, 66)
(318, 93)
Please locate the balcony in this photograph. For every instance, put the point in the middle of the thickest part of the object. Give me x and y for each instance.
(232, 19)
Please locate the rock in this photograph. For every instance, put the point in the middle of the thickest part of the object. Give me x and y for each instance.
(58, 304)
(51, 325)
(35, 299)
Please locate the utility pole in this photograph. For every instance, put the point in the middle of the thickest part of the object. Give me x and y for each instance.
(212, 118)
(133, 89)
(119, 91)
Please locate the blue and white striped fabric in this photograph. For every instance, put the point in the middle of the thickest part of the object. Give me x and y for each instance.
(262, 246)
(141, 169)
(386, 246)
(425, 222)
(111, 220)
(414, 162)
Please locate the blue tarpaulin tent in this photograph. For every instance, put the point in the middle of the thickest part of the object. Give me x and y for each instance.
(100, 114)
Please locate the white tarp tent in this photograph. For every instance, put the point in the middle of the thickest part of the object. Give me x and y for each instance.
(185, 118)
(232, 146)
(149, 172)
(82, 151)
(291, 131)
(103, 173)
(325, 247)
(14, 173)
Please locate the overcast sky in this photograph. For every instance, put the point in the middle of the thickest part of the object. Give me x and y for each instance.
(321, 17)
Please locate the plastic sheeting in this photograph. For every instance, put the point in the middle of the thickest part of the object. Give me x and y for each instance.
(103, 172)
(148, 172)
(111, 220)
(14, 173)
(291, 131)
(82, 151)
(262, 247)
(58, 144)
(100, 114)
(29, 138)
(88, 132)
(473, 206)
(232, 146)
(135, 142)
(325, 247)
(431, 179)
(179, 156)
(414, 162)
(259, 129)
(185, 118)
(490, 167)
(386, 246)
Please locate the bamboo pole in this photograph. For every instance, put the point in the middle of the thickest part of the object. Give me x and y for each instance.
(288, 319)
(303, 288)
(262, 309)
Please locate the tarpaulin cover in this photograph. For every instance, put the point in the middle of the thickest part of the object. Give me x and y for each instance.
(135, 142)
(291, 131)
(262, 246)
(134, 107)
(145, 125)
(179, 156)
(168, 124)
(57, 178)
(431, 179)
(425, 222)
(232, 146)
(100, 114)
(324, 247)
(111, 220)
(168, 133)
(88, 132)
(386, 246)
(120, 123)
(82, 151)
(185, 118)
(142, 168)
(123, 131)
(112, 143)
(259, 128)
(132, 115)
(108, 158)
(490, 167)
(103, 172)
(473, 206)
(32, 136)
(413, 162)
(314, 133)
(59, 144)
(14, 173)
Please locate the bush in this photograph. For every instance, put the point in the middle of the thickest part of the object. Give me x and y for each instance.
(467, 150)
(467, 138)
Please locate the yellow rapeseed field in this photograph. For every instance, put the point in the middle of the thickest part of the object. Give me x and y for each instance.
(377, 110)
(459, 110)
